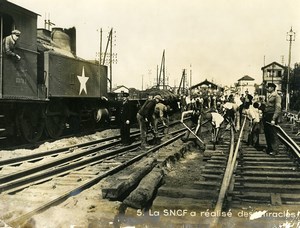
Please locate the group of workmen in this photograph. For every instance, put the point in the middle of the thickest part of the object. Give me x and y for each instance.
(257, 114)
(248, 113)
(252, 114)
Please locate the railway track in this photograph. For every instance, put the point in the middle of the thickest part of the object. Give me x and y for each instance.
(237, 186)
(17, 143)
(53, 176)
(260, 178)
(232, 184)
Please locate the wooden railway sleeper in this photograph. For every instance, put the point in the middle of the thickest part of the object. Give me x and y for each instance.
(276, 199)
(239, 172)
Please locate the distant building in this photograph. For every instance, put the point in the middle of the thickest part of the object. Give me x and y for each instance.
(205, 86)
(273, 73)
(134, 94)
(121, 89)
(119, 92)
(246, 83)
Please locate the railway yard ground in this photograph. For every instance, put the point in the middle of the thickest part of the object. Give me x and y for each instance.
(184, 183)
(88, 209)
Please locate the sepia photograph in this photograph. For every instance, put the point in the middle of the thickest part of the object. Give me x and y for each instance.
(149, 114)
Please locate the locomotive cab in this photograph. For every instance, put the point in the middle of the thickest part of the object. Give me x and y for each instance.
(18, 78)
(48, 88)
(19, 94)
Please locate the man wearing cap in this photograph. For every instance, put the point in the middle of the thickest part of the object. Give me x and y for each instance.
(145, 118)
(247, 99)
(270, 118)
(9, 44)
(125, 121)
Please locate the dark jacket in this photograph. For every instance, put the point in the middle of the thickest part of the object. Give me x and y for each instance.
(273, 105)
(126, 111)
(147, 109)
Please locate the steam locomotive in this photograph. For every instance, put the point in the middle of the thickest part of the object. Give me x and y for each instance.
(49, 87)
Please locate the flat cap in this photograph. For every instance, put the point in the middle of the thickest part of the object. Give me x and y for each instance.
(16, 32)
(158, 97)
(271, 85)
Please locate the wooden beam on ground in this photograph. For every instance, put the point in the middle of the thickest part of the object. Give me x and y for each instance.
(120, 184)
(141, 196)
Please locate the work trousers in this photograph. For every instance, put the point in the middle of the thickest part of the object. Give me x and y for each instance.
(143, 128)
(125, 132)
(254, 135)
(270, 133)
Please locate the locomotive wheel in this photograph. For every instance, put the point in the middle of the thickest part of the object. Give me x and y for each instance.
(55, 120)
(30, 123)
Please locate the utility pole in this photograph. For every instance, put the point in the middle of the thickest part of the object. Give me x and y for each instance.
(190, 79)
(100, 51)
(290, 37)
(100, 48)
(162, 73)
(149, 75)
(181, 87)
(282, 60)
(157, 76)
(112, 57)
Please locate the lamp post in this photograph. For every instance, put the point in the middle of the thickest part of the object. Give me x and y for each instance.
(290, 36)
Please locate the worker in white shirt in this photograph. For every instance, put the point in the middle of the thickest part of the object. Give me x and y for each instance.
(216, 120)
(254, 116)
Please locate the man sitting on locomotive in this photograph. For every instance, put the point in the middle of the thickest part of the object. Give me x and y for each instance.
(9, 44)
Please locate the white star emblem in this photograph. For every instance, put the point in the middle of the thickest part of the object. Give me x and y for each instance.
(82, 79)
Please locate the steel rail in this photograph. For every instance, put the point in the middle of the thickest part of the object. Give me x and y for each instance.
(58, 166)
(63, 173)
(288, 140)
(39, 155)
(44, 172)
(21, 219)
(36, 156)
(56, 162)
(272, 174)
(227, 178)
(32, 157)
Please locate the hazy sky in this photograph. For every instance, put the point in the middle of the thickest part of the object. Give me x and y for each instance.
(218, 40)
